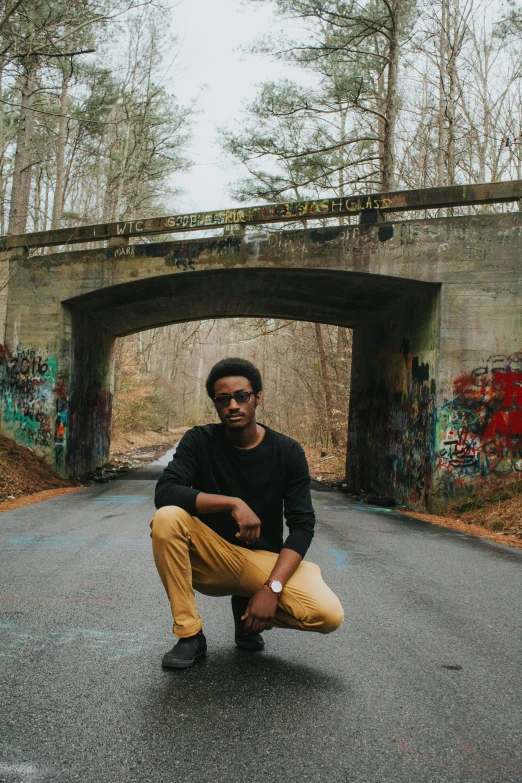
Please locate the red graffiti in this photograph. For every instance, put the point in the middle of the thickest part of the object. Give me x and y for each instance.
(507, 421)
(61, 389)
(474, 387)
(504, 423)
(482, 425)
(509, 386)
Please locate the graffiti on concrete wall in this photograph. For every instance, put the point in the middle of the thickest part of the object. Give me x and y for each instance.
(34, 399)
(189, 254)
(480, 428)
(392, 428)
(412, 423)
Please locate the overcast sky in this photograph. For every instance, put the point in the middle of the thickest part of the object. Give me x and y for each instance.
(211, 64)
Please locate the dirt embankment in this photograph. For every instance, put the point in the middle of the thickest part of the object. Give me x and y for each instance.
(472, 524)
(497, 517)
(26, 478)
(326, 466)
(123, 443)
(23, 473)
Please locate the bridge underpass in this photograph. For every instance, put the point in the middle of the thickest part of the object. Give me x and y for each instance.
(350, 299)
(436, 399)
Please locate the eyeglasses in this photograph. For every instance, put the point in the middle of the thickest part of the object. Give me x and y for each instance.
(223, 400)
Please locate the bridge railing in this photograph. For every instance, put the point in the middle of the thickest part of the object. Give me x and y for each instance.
(368, 207)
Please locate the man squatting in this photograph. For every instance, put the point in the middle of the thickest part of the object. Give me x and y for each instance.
(219, 527)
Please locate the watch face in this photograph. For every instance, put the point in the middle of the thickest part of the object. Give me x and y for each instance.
(276, 586)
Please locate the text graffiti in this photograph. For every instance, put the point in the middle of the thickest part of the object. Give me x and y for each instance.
(34, 399)
(323, 208)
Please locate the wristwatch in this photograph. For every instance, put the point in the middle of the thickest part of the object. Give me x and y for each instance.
(275, 585)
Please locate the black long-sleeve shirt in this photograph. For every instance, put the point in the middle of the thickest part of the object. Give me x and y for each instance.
(272, 478)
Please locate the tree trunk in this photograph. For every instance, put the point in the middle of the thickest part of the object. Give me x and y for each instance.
(60, 155)
(451, 97)
(390, 122)
(110, 164)
(331, 432)
(37, 200)
(46, 205)
(22, 172)
(342, 157)
(381, 126)
(2, 158)
(441, 118)
(119, 355)
(118, 210)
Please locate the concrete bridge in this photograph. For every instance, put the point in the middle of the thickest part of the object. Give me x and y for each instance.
(435, 304)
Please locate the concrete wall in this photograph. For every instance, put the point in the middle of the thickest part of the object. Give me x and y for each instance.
(34, 362)
(478, 397)
(90, 395)
(392, 425)
(435, 307)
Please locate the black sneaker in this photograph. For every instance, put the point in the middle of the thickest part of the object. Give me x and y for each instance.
(246, 641)
(185, 652)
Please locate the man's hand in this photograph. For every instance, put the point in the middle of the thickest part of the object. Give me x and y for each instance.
(260, 612)
(249, 523)
(262, 607)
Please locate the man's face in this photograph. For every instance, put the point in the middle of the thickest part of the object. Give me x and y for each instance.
(236, 415)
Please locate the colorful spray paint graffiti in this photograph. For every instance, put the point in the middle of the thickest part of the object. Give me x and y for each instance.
(34, 399)
(412, 420)
(480, 429)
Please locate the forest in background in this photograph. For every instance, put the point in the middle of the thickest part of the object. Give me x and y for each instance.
(395, 94)
(384, 94)
(88, 130)
(160, 379)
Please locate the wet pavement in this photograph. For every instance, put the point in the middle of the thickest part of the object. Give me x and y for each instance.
(420, 685)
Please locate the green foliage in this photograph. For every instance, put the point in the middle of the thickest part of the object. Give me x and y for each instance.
(298, 141)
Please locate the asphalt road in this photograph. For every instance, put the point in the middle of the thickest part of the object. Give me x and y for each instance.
(420, 685)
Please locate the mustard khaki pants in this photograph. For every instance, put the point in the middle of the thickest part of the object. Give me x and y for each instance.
(190, 556)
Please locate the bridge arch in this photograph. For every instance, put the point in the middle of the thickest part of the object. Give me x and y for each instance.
(340, 297)
(404, 311)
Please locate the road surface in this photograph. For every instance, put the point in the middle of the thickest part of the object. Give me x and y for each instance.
(420, 685)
